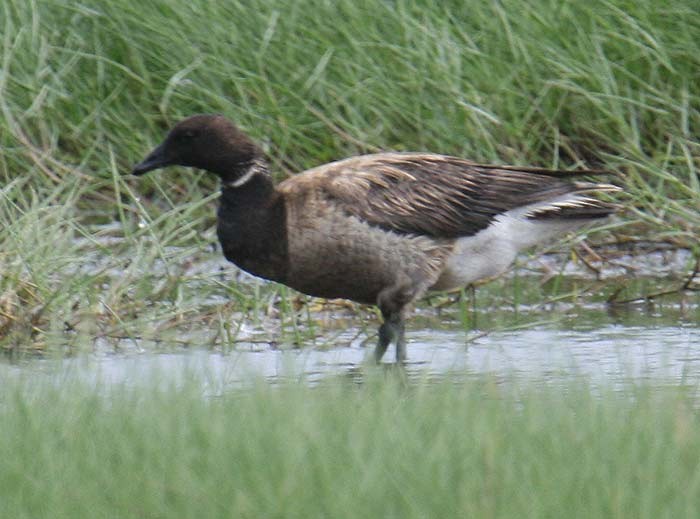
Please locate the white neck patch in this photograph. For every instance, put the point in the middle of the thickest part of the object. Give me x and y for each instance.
(255, 168)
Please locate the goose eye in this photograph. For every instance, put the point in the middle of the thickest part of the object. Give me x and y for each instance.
(184, 135)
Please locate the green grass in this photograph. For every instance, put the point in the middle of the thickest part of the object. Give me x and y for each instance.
(384, 448)
(91, 258)
(86, 89)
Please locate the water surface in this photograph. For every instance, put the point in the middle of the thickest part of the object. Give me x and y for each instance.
(547, 322)
(658, 345)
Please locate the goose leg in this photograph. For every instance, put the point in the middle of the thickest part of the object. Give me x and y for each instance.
(401, 340)
(391, 303)
(392, 330)
(386, 335)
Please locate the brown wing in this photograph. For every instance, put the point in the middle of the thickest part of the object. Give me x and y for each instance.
(448, 197)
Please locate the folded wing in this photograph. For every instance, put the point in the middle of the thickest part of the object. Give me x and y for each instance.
(448, 197)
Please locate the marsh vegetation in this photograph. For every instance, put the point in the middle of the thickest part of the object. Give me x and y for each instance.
(93, 260)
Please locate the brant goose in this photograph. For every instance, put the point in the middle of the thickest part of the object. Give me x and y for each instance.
(377, 229)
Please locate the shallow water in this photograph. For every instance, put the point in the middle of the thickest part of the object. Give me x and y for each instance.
(659, 344)
(517, 327)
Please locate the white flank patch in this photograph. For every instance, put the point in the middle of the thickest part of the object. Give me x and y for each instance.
(492, 250)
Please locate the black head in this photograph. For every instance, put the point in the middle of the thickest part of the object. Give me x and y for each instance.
(205, 141)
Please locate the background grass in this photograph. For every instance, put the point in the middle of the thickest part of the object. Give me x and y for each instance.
(87, 89)
(383, 448)
(91, 257)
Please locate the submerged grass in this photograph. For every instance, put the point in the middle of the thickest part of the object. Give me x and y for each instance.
(383, 448)
(86, 89)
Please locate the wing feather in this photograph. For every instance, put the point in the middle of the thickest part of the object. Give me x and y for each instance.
(449, 197)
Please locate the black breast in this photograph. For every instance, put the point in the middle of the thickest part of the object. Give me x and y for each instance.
(252, 231)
